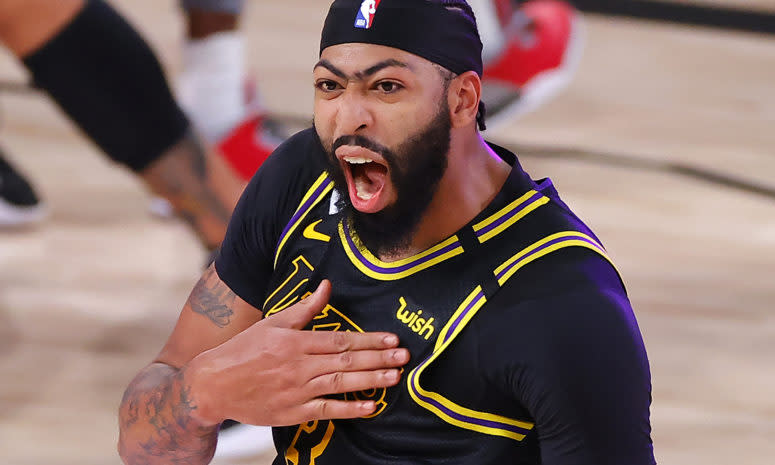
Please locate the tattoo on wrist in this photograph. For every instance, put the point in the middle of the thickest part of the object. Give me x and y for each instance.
(167, 409)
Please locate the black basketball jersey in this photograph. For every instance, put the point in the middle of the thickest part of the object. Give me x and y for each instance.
(453, 404)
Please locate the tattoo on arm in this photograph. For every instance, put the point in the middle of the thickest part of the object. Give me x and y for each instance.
(192, 160)
(213, 299)
(170, 435)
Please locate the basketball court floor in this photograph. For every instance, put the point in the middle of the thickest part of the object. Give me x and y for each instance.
(664, 143)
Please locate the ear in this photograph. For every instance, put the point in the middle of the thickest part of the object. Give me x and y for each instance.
(464, 94)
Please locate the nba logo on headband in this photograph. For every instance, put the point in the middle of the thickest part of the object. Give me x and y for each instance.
(366, 14)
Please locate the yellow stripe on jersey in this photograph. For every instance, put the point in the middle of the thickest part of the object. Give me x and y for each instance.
(304, 208)
(507, 210)
(453, 413)
(375, 268)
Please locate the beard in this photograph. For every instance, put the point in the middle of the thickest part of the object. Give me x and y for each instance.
(416, 167)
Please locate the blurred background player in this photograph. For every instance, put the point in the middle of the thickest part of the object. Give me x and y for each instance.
(102, 74)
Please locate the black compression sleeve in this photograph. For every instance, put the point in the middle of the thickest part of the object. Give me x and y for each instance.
(105, 77)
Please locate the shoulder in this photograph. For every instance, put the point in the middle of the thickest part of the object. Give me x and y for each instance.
(572, 290)
(567, 309)
(565, 325)
(563, 339)
(266, 206)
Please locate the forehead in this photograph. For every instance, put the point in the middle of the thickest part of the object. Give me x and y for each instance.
(353, 57)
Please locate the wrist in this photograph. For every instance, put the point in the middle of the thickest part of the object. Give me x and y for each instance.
(195, 379)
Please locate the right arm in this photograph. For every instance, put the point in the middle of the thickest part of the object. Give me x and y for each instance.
(156, 410)
(222, 361)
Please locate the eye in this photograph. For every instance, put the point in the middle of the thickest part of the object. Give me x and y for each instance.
(389, 87)
(326, 85)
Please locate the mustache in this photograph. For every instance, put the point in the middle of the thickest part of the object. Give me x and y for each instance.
(360, 141)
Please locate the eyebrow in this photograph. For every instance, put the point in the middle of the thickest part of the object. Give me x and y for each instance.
(361, 75)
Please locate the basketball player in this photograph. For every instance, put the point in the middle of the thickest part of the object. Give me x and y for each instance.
(530, 53)
(394, 289)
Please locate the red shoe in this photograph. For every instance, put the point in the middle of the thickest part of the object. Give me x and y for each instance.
(250, 143)
(544, 44)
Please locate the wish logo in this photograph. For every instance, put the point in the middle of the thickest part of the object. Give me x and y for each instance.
(366, 14)
(415, 320)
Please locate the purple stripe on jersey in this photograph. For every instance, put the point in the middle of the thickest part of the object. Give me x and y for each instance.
(414, 382)
(465, 418)
(479, 296)
(509, 215)
(303, 209)
(544, 246)
(397, 269)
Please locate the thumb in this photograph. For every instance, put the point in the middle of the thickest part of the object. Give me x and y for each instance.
(299, 314)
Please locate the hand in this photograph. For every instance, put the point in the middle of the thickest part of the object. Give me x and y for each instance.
(276, 374)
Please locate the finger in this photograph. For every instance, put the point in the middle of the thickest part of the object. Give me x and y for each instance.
(360, 360)
(330, 409)
(334, 342)
(342, 382)
(298, 315)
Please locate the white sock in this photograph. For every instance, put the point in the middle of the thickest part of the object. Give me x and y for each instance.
(210, 88)
(490, 31)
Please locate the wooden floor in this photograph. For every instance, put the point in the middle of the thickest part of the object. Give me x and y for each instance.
(88, 298)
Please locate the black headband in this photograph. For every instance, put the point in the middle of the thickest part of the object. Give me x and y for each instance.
(424, 28)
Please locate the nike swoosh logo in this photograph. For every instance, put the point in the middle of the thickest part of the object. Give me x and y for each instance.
(310, 233)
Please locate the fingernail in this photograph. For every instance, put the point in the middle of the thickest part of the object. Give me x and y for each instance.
(399, 355)
(391, 340)
(367, 405)
(391, 375)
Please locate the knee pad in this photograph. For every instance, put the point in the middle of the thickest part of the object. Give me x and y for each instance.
(105, 77)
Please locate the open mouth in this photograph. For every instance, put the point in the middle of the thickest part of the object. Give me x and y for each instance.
(366, 176)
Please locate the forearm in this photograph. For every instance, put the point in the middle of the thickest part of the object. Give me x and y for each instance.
(156, 423)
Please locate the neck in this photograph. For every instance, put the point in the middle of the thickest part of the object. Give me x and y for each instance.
(474, 176)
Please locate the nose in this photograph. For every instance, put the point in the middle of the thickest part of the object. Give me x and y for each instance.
(352, 114)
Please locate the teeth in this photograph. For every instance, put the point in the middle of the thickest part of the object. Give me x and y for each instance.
(357, 160)
(360, 190)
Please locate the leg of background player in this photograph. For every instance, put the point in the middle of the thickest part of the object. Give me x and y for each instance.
(211, 85)
(217, 92)
(19, 205)
(126, 108)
